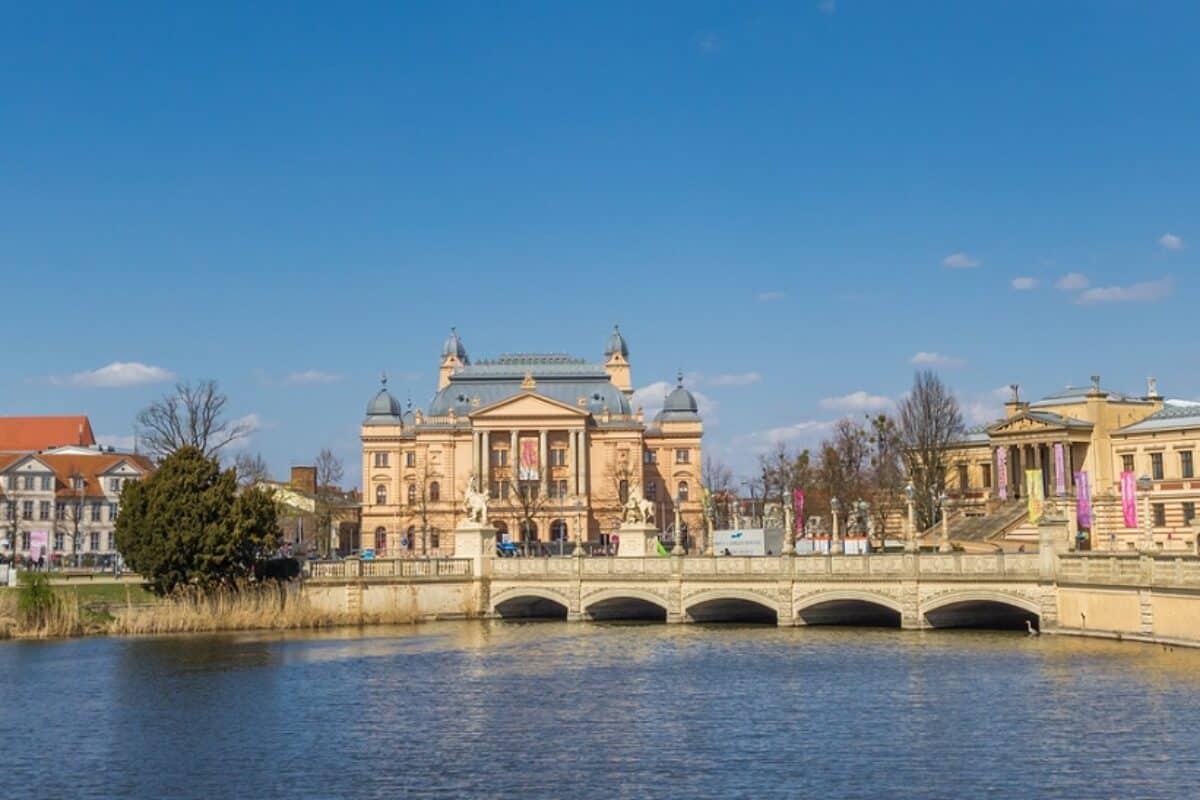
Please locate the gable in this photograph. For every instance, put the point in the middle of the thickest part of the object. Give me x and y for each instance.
(1022, 424)
(528, 405)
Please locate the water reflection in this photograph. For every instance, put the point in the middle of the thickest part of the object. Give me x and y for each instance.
(541, 709)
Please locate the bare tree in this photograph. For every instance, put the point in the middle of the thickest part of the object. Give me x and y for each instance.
(329, 477)
(845, 461)
(192, 416)
(70, 524)
(717, 477)
(887, 471)
(251, 469)
(930, 421)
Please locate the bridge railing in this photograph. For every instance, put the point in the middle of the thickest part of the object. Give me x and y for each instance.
(389, 568)
(1129, 569)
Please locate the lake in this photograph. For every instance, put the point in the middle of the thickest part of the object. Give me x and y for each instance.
(551, 709)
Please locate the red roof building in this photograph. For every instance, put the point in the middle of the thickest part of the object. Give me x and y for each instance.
(32, 434)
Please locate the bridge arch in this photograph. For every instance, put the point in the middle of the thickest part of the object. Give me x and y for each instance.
(633, 604)
(524, 602)
(731, 605)
(981, 608)
(850, 607)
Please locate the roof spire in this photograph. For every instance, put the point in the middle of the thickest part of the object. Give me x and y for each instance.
(383, 378)
(679, 378)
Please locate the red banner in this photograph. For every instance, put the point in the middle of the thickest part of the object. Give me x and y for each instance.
(798, 509)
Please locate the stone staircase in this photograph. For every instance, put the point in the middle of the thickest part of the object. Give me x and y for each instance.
(981, 528)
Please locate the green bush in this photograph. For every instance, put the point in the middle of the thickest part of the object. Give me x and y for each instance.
(36, 600)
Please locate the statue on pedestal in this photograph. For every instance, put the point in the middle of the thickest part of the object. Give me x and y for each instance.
(475, 503)
(637, 509)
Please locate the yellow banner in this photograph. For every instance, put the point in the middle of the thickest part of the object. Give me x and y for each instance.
(1033, 490)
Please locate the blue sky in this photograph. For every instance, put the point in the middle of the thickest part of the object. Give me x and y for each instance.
(790, 202)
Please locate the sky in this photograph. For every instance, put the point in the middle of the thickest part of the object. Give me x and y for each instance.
(795, 204)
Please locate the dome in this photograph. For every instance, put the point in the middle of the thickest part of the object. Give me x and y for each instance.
(680, 404)
(616, 344)
(383, 407)
(454, 347)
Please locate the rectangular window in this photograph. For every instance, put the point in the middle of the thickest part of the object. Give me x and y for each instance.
(1185, 464)
(1160, 514)
(651, 490)
(10, 510)
(963, 478)
(562, 488)
(112, 512)
(76, 483)
(112, 541)
(60, 510)
(1127, 462)
(381, 459)
(27, 509)
(44, 509)
(558, 458)
(682, 456)
(59, 540)
(1189, 513)
(95, 512)
(29, 483)
(500, 458)
(650, 457)
(114, 484)
(12, 481)
(410, 459)
(1156, 467)
(985, 472)
(25, 540)
(47, 483)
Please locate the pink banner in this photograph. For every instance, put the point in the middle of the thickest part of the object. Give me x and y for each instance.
(1002, 472)
(39, 543)
(1129, 499)
(1060, 470)
(1083, 500)
(798, 509)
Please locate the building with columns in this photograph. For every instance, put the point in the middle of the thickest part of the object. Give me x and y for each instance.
(1089, 432)
(554, 440)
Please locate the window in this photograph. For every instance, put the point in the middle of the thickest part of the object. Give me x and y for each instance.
(1156, 467)
(1185, 464)
(114, 484)
(1127, 462)
(95, 512)
(499, 458)
(113, 508)
(623, 491)
(412, 494)
(683, 491)
(435, 539)
(1189, 513)
(112, 541)
(12, 481)
(682, 456)
(25, 540)
(381, 540)
(650, 457)
(409, 541)
(10, 510)
(1160, 514)
(410, 459)
(29, 483)
(985, 474)
(44, 509)
(963, 478)
(95, 542)
(435, 491)
(47, 483)
(58, 542)
(27, 509)
(558, 457)
(381, 459)
(651, 490)
(60, 510)
(381, 495)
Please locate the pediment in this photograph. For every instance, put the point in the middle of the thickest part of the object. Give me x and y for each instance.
(527, 405)
(1023, 424)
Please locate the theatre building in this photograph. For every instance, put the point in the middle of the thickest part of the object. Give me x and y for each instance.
(554, 440)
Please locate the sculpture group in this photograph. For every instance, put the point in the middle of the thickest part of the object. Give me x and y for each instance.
(475, 503)
(638, 510)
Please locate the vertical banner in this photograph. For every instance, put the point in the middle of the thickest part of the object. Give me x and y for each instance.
(1002, 472)
(1083, 501)
(1129, 499)
(1060, 470)
(798, 509)
(1033, 488)
(39, 543)
(529, 459)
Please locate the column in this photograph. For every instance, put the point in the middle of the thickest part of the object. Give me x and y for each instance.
(513, 457)
(583, 462)
(544, 461)
(475, 452)
(574, 439)
(484, 483)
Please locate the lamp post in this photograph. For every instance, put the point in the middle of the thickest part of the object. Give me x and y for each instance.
(945, 546)
(911, 544)
(677, 550)
(579, 536)
(1143, 485)
(835, 508)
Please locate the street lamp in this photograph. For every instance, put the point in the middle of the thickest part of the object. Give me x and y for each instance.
(677, 550)
(945, 546)
(1143, 485)
(579, 537)
(835, 508)
(911, 544)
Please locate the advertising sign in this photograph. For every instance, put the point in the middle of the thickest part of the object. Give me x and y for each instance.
(39, 544)
(1129, 499)
(529, 459)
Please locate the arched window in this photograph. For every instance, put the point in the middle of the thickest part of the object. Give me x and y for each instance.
(412, 493)
(435, 539)
(381, 495)
(380, 540)
(558, 530)
(410, 538)
(683, 491)
(435, 492)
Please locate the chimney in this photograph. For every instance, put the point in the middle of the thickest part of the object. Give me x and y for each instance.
(304, 479)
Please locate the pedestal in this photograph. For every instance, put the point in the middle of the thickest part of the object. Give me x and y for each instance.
(637, 540)
(476, 541)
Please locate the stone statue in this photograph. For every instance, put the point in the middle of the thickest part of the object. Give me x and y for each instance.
(637, 508)
(774, 516)
(475, 503)
(814, 527)
(735, 515)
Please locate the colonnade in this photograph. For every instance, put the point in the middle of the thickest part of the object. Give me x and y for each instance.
(483, 446)
(1035, 455)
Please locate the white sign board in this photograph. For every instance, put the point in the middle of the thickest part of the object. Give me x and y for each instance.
(748, 542)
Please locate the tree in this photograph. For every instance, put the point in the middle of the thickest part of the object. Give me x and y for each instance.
(329, 477)
(930, 421)
(187, 525)
(717, 477)
(251, 469)
(887, 471)
(845, 459)
(70, 521)
(192, 416)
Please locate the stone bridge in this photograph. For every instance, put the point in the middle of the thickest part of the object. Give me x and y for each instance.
(909, 590)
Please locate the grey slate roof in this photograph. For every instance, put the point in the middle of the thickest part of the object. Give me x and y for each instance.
(1174, 415)
(1079, 394)
(557, 375)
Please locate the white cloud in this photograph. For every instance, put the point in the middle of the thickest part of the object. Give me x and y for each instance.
(1144, 292)
(116, 375)
(742, 379)
(827, 6)
(856, 401)
(116, 440)
(1072, 281)
(924, 359)
(1024, 284)
(806, 432)
(960, 261)
(769, 297)
(313, 376)
(1170, 241)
